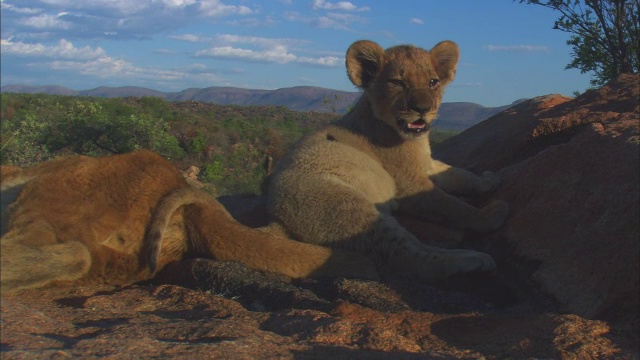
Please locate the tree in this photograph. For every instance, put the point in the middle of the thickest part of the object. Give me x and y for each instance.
(606, 38)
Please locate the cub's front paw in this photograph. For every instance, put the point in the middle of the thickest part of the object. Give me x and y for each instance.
(490, 181)
(458, 261)
(469, 260)
(440, 264)
(492, 216)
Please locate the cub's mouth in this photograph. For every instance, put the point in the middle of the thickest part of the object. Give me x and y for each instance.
(417, 126)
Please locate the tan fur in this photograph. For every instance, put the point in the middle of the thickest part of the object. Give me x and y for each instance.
(339, 185)
(82, 220)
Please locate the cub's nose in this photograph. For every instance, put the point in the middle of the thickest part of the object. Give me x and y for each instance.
(420, 108)
(421, 101)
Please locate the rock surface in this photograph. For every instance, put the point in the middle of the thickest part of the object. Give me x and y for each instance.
(566, 285)
(286, 321)
(571, 173)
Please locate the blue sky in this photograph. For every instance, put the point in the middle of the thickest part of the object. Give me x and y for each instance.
(508, 50)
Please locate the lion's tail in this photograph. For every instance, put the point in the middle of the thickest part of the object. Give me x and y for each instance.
(160, 219)
(214, 233)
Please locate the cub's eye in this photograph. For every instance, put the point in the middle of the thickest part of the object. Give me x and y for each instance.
(433, 83)
(397, 82)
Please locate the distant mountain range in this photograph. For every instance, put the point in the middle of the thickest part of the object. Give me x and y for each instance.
(453, 115)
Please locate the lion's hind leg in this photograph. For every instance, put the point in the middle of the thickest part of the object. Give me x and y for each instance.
(28, 262)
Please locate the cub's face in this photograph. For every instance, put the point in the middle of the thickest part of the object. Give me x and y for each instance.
(404, 84)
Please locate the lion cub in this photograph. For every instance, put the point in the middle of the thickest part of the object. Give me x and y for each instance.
(338, 186)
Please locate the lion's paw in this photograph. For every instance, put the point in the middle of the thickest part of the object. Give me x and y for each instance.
(493, 216)
(490, 181)
(452, 262)
(469, 260)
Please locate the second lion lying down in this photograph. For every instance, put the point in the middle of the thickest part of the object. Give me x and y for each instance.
(118, 219)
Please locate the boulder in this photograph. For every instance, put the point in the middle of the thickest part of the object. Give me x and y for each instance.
(570, 173)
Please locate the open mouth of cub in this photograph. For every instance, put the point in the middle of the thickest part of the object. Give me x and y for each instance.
(417, 126)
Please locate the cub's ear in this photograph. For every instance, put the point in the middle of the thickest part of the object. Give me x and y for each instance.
(445, 58)
(364, 62)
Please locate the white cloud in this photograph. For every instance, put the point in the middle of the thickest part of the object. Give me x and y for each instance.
(215, 8)
(328, 61)
(126, 8)
(341, 5)
(120, 70)
(230, 39)
(198, 69)
(187, 37)
(63, 50)
(276, 54)
(104, 7)
(96, 63)
(416, 21)
(345, 18)
(45, 21)
(253, 22)
(20, 10)
(325, 22)
(38, 19)
(178, 3)
(103, 67)
(257, 40)
(293, 16)
(269, 50)
(338, 21)
(523, 48)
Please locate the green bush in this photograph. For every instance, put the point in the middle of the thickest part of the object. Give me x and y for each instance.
(198, 143)
(23, 140)
(44, 126)
(213, 172)
(242, 170)
(89, 128)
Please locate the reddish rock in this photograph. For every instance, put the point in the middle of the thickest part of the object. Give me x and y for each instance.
(169, 321)
(571, 176)
(498, 141)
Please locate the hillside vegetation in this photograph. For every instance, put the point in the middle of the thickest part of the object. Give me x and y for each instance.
(455, 116)
(229, 143)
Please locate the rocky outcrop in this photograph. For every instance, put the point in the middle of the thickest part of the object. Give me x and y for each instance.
(570, 173)
(566, 285)
(170, 321)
